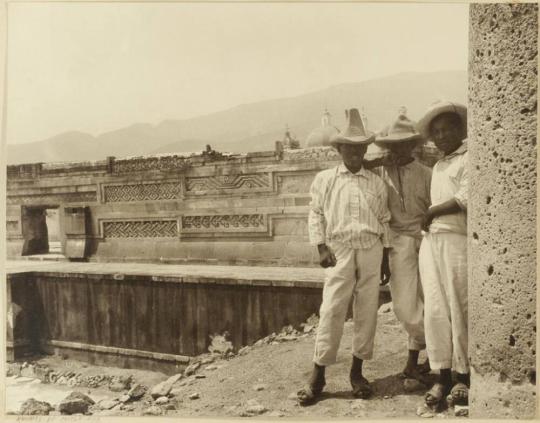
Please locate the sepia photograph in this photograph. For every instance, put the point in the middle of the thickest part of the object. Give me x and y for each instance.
(280, 210)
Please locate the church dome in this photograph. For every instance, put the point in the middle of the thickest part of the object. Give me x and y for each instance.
(321, 136)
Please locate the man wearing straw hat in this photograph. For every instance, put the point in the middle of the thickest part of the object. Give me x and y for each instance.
(443, 255)
(408, 183)
(348, 222)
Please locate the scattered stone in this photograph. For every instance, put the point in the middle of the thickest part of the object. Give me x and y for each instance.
(425, 412)
(128, 407)
(200, 376)
(153, 410)
(211, 367)
(259, 343)
(293, 396)
(386, 308)
(274, 343)
(207, 360)
(387, 397)
(219, 345)
(412, 385)
(175, 392)
(162, 400)
(124, 398)
(244, 350)
(62, 380)
(308, 328)
(461, 411)
(260, 387)
(32, 407)
(75, 402)
(170, 407)
(106, 404)
(161, 389)
(290, 338)
(192, 368)
(117, 386)
(194, 396)
(358, 404)
(137, 391)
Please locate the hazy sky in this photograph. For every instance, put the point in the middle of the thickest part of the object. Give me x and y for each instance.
(98, 67)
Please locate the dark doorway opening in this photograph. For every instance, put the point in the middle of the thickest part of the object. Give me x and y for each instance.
(41, 230)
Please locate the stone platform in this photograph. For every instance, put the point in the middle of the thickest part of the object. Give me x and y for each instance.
(151, 316)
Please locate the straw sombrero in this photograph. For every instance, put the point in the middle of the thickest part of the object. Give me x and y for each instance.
(354, 133)
(403, 129)
(437, 109)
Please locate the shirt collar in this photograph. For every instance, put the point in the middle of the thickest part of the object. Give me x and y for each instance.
(461, 150)
(343, 169)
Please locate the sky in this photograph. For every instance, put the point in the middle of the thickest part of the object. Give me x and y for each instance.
(97, 67)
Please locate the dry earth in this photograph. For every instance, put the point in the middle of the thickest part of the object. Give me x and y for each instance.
(263, 381)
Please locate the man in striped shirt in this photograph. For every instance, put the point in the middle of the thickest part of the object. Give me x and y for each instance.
(348, 222)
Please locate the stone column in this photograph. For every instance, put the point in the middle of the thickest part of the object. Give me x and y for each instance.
(502, 208)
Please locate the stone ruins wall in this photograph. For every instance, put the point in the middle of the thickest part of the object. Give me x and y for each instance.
(240, 209)
(502, 209)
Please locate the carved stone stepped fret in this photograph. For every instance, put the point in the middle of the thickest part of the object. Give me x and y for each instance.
(49, 199)
(140, 229)
(243, 182)
(142, 192)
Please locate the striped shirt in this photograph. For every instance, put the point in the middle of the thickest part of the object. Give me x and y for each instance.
(348, 208)
(449, 181)
(408, 196)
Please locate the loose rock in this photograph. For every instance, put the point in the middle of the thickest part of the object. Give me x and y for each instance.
(106, 404)
(161, 389)
(260, 387)
(211, 367)
(124, 398)
(75, 402)
(207, 360)
(424, 412)
(194, 396)
(32, 407)
(153, 410)
(162, 400)
(386, 308)
(220, 345)
(244, 350)
(137, 391)
(192, 368)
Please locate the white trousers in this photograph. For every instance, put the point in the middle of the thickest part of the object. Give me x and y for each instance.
(356, 275)
(443, 271)
(406, 290)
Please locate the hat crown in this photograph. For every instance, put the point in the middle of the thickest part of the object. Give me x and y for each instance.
(355, 126)
(402, 125)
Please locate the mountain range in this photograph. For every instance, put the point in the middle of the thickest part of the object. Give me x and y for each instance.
(254, 126)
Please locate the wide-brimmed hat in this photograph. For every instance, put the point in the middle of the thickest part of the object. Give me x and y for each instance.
(355, 132)
(439, 108)
(403, 129)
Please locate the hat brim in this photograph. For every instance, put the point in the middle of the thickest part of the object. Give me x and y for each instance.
(396, 138)
(355, 140)
(447, 107)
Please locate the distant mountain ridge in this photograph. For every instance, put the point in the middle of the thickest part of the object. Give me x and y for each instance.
(254, 126)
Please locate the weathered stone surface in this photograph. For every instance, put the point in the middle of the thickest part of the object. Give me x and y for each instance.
(502, 206)
(137, 391)
(194, 396)
(32, 407)
(220, 345)
(75, 402)
(161, 389)
(192, 368)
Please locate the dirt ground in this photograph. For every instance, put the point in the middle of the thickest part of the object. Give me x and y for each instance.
(263, 382)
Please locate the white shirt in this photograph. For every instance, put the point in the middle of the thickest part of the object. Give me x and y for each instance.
(348, 208)
(449, 180)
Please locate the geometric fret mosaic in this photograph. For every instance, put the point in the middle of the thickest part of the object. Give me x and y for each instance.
(142, 192)
(140, 229)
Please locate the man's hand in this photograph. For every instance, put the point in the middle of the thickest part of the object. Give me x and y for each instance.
(426, 221)
(385, 267)
(326, 256)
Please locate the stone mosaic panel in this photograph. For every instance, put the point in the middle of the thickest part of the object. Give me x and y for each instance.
(224, 223)
(140, 164)
(140, 229)
(142, 192)
(251, 182)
